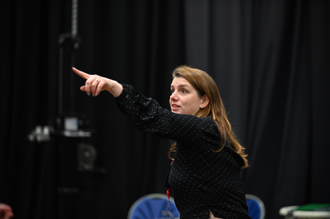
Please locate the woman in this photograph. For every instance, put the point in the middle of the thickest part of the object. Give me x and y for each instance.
(204, 178)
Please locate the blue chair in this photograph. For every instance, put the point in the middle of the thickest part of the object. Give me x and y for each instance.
(256, 207)
(153, 206)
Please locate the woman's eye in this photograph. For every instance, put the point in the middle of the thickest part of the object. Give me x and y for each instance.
(184, 91)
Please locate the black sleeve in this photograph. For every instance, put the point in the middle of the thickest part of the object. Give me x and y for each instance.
(147, 115)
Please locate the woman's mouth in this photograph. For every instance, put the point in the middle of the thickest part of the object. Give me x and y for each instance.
(175, 107)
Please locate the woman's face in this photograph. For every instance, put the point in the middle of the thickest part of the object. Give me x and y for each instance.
(184, 98)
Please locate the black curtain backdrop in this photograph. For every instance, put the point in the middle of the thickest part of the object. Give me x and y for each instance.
(270, 60)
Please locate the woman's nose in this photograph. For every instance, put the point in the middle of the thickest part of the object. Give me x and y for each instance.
(173, 96)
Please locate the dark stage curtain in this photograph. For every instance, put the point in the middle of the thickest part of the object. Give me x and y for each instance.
(270, 60)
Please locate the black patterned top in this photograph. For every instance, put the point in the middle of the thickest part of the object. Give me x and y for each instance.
(201, 180)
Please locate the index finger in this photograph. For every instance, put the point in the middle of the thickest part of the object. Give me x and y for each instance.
(80, 73)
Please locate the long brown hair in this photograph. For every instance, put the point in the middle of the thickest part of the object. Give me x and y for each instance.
(205, 85)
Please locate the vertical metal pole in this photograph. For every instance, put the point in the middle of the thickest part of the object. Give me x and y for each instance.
(60, 79)
(74, 21)
(74, 46)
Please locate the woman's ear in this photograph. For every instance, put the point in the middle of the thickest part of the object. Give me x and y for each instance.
(205, 102)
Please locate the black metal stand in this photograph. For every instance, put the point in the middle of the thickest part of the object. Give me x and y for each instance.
(69, 132)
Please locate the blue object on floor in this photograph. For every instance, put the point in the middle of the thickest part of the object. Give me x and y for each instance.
(153, 206)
